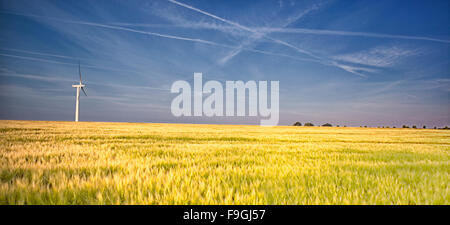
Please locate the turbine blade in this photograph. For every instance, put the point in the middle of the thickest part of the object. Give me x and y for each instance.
(79, 70)
(83, 91)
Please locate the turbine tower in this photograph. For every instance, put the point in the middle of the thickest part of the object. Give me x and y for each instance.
(78, 86)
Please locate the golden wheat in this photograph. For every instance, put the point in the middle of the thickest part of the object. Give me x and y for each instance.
(137, 163)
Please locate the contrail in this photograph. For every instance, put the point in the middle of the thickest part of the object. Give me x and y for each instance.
(309, 31)
(37, 59)
(316, 59)
(157, 35)
(39, 53)
(181, 38)
(34, 77)
(257, 36)
(350, 69)
(56, 79)
(243, 28)
(322, 61)
(349, 33)
(289, 30)
(119, 28)
(64, 63)
(213, 16)
(129, 86)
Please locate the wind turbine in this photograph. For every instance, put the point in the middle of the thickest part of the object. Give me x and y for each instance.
(78, 86)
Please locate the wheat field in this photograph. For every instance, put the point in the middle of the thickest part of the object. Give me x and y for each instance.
(144, 163)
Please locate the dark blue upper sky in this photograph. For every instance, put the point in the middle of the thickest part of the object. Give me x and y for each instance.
(344, 62)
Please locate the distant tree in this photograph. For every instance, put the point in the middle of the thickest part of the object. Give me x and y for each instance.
(345, 125)
(387, 126)
(414, 126)
(435, 127)
(297, 124)
(424, 127)
(365, 126)
(404, 126)
(393, 127)
(445, 128)
(337, 125)
(327, 125)
(309, 124)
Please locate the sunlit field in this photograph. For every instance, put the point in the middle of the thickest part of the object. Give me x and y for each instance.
(137, 163)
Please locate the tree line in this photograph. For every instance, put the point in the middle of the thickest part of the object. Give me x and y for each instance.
(309, 124)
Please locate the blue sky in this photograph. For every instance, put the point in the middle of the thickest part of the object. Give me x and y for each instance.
(375, 63)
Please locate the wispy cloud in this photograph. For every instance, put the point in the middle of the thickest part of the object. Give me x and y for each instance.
(236, 49)
(50, 78)
(35, 77)
(63, 63)
(39, 53)
(350, 33)
(258, 35)
(214, 16)
(327, 32)
(121, 86)
(36, 59)
(381, 56)
(322, 60)
(160, 35)
(353, 69)
(131, 56)
(242, 27)
(122, 29)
